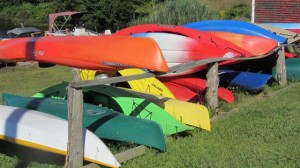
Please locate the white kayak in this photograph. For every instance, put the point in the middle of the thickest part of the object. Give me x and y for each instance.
(179, 49)
(49, 133)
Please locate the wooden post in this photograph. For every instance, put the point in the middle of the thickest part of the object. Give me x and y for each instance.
(212, 83)
(74, 156)
(280, 67)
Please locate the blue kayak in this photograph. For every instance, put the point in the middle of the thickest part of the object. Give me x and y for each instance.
(243, 80)
(235, 26)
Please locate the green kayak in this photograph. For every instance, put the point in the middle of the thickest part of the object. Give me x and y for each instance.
(122, 101)
(105, 123)
(292, 69)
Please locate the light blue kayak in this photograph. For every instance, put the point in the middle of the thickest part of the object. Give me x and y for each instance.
(235, 26)
(285, 25)
(243, 80)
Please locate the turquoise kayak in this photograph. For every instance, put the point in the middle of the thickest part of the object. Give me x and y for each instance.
(292, 69)
(105, 123)
(121, 101)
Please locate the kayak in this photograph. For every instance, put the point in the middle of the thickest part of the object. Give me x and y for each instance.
(208, 40)
(121, 101)
(192, 114)
(179, 49)
(291, 36)
(183, 93)
(103, 122)
(151, 85)
(243, 80)
(49, 133)
(197, 84)
(102, 53)
(254, 44)
(173, 39)
(235, 26)
(292, 66)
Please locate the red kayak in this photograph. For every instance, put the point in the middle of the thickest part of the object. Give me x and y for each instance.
(197, 84)
(183, 93)
(103, 53)
(254, 44)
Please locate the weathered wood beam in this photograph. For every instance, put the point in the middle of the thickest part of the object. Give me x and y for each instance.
(91, 165)
(212, 83)
(130, 153)
(74, 156)
(280, 67)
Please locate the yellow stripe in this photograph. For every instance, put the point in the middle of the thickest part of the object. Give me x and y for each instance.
(46, 148)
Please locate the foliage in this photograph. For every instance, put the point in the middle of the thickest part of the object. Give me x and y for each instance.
(116, 14)
(27, 13)
(239, 12)
(177, 12)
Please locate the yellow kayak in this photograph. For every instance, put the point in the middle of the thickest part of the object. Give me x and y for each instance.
(149, 85)
(87, 74)
(188, 113)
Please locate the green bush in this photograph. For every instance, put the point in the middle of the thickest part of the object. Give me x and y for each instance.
(27, 13)
(240, 11)
(177, 12)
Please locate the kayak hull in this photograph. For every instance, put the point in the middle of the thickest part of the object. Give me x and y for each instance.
(243, 80)
(103, 53)
(124, 102)
(292, 69)
(49, 133)
(104, 123)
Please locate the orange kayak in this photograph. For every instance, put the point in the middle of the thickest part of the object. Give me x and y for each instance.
(253, 44)
(102, 53)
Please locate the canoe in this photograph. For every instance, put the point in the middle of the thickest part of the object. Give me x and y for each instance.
(254, 44)
(103, 53)
(235, 26)
(199, 85)
(103, 122)
(49, 133)
(122, 101)
(243, 80)
(292, 66)
(189, 113)
(292, 37)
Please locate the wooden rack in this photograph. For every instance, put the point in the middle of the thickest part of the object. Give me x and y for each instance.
(74, 156)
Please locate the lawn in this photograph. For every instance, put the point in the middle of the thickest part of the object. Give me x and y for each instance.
(259, 130)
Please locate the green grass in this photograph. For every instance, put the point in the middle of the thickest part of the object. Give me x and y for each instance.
(262, 131)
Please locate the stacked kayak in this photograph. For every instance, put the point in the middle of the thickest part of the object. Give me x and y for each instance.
(105, 123)
(235, 26)
(243, 80)
(292, 69)
(253, 38)
(197, 85)
(122, 101)
(61, 50)
(49, 133)
(192, 114)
